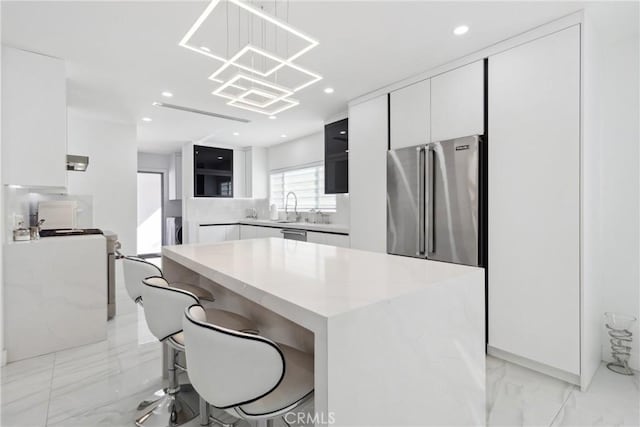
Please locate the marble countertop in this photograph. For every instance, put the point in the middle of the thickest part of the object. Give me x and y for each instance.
(314, 279)
(326, 228)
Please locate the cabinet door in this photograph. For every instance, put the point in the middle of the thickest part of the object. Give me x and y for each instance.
(232, 232)
(367, 174)
(328, 239)
(247, 232)
(212, 233)
(268, 232)
(534, 195)
(410, 110)
(457, 102)
(34, 119)
(314, 237)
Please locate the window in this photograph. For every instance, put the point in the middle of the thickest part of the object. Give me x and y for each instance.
(307, 183)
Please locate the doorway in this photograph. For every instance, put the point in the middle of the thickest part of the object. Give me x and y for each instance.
(150, 214)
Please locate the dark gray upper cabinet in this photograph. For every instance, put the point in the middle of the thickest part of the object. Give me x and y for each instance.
(336, 157)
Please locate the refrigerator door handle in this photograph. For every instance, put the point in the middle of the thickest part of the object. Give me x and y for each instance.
(420, 250)
(430, 197)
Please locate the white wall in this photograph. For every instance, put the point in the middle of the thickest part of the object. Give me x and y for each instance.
(111, 175)
(2, 239)
(612, 110)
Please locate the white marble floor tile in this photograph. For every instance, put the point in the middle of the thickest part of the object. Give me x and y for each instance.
(611, 400)
(517, 396)
(25, 391)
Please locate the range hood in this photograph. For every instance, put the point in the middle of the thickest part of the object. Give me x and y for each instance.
(77, 163)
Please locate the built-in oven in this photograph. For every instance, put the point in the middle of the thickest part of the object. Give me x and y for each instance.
(292, 234)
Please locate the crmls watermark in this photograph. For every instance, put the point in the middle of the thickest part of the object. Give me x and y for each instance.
(306, 418)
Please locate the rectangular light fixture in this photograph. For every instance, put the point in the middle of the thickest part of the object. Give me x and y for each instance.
(311, 43)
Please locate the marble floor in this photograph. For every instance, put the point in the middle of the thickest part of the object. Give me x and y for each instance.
(100, 385)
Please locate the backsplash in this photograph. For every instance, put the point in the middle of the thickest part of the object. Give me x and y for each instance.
(24, 203)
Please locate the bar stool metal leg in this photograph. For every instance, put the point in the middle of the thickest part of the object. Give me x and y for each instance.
(177, 407)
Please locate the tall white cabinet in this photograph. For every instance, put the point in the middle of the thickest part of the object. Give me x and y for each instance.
(534, 203)
(34, 119)
(410, 115)
(457, 102)
(368, 141)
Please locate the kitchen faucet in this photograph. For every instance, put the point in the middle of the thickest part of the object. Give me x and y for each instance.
(295, 206)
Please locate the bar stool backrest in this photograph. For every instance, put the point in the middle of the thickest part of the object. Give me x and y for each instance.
(226, 367)
(135, 271)
(164, 306)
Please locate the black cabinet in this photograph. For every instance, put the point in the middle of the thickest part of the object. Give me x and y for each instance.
(212, 172)
(336, 157)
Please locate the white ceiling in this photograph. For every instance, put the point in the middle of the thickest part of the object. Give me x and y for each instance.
(120, 55)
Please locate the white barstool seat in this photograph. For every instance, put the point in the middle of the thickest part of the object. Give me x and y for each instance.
(247, 375)
(163, 308)
(136, 270)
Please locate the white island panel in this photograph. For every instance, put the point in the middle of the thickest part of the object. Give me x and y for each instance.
(397, 341)
(55, 294)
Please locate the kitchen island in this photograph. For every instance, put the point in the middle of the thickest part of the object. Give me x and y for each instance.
(396, 340)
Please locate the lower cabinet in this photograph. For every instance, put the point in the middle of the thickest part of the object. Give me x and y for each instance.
(341, 240)
(218, 233)
(256, 232)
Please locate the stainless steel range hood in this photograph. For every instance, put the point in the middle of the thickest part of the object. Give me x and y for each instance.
(77, 163)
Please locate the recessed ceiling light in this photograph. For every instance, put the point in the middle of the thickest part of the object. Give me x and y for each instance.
(220, 157)
(146, 119)
(206, 49)
(284, 135)
(460, 30)
(272, 117)
(236, 133)
(167, 94)
(328, 90)
(156, 103)
(343, 132)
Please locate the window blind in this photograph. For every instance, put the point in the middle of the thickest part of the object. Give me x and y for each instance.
(308, 185)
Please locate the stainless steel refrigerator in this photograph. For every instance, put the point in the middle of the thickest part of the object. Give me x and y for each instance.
(434, 201)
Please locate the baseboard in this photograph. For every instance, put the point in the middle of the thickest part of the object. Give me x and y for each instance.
(534, 366)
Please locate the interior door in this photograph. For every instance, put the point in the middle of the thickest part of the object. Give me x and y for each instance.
(150, 223)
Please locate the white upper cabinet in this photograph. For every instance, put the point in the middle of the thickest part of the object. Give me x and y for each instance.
(457, 102)
(534, 201)
(410, 115)
(34, 119)
(367, 174)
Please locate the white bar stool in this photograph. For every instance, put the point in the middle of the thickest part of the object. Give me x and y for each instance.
(163, 309)
(136, 270)
(247, 375)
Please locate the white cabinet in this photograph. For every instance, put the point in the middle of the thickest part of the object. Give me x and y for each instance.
(367, 174)
(457, 102)
(341, 240)
(410, 112)
(250, 175)
(218, 233)
(34, 119)
(239, 174)
(257, 232)
(534, 201)
(175, 176)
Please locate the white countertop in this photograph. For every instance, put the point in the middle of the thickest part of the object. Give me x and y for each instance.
(326, 228)
(318, 280)
(56, 239)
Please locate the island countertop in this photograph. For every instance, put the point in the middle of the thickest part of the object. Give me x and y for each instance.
(322, 280)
